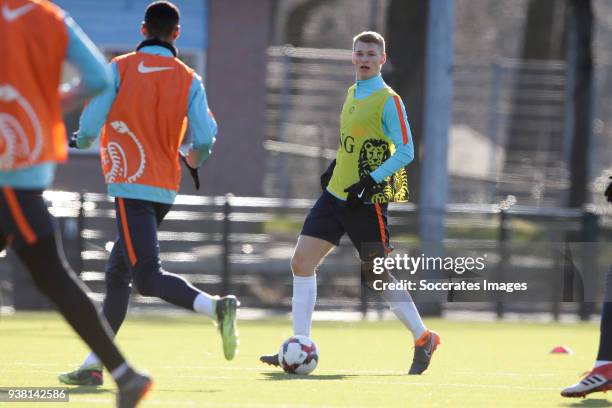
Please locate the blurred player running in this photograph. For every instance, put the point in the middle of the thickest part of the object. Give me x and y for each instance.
(599, 379)
(375, 145)
(143, 119)
(36, 38)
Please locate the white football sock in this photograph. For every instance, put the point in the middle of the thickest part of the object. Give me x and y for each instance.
(599, 363)
(90, 360)
(119, 371)
(401, 304)
(303, 302)
(206, 304)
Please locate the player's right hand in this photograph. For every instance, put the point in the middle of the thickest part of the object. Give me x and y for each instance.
(193, 171)
(359, 192)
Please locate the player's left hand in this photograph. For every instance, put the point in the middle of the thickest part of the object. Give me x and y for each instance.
(193, 171)
(359, 192)
(609, 191)
(72, 140)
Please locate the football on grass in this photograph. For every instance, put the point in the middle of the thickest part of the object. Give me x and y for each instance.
(298, 355)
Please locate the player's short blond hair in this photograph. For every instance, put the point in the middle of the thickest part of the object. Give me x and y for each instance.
(370, 37)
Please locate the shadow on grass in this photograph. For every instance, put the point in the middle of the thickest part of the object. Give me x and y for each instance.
(182, 390)
(589, 403)
(89, 389)
(279, 376)
(36, 331)
(317, 377)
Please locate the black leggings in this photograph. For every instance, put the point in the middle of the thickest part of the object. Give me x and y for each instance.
(135, 258)
(26, 222)
(605, 333)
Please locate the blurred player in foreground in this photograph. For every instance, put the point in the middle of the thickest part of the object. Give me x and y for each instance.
(142, 118)
(36, 38)
(599, 379)
(375, 145)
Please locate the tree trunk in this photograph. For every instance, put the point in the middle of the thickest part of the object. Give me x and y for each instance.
(581, 24)
(405, 71)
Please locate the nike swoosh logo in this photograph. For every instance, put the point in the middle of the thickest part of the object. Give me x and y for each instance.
(147, 70)
(14, 14)
(360, 194)
(431, 346)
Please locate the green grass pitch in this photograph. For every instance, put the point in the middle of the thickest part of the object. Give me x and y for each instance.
(361, 364)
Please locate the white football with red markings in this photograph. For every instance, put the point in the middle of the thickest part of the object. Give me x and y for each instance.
(298, 355)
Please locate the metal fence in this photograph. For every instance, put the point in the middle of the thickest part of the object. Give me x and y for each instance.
(243, 245)
(508, 137)
(306, 89)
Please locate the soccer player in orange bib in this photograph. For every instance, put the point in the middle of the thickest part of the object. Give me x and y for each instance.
(37, 37)
(142, 119)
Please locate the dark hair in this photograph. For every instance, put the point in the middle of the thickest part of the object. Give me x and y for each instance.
(161, 18)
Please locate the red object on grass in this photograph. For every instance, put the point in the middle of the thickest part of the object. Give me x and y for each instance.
(561, 350)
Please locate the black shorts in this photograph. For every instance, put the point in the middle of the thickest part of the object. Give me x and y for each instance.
(366, 227)
(24, 217)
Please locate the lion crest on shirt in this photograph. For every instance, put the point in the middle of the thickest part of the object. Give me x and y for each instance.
(373, 153)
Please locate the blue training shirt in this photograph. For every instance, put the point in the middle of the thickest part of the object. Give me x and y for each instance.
(404, 153)
(203, 129)
(94, 74)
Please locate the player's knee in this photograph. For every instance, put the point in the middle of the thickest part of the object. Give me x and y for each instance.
(147, 284)
(42, 283)
(48, 279)
(301, 265)
(367, 275)
(117, 280)
(147, 277)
